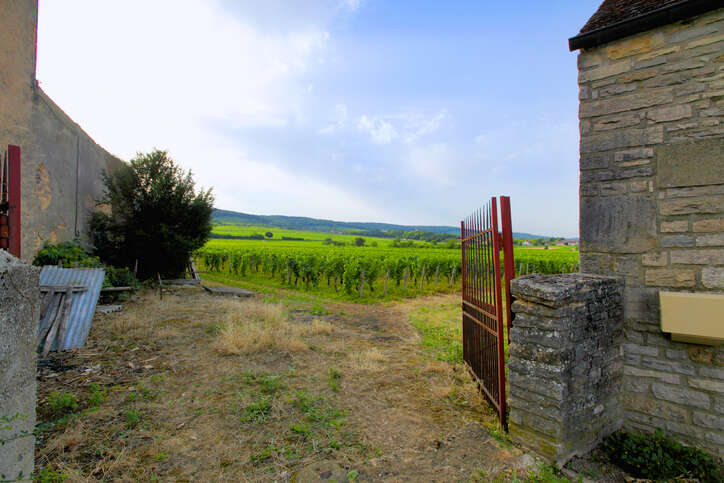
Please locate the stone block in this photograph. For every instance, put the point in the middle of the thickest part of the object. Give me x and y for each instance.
(606, 70)
(695, 205)
(624, 103)
(707, 385)
(670, 277)
(668, 241)
(627, 138)
(618, 224)
(640, 186)
(639, 44)
(638, 373)
(655, 259)
(708, 256)
(692, 163)
(714, 240)
(672, 367)
(651, 407)
(633, 154)
(680, 395)
(640, 350)
(690, 191)
(670, 113)
(595, 161)
(677, 226)
(617, 121)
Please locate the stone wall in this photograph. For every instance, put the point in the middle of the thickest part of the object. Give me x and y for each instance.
(652, 210)
(564, 367)
(19, 305)
(55, 202)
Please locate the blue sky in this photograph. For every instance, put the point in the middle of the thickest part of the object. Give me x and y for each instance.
(410, 112)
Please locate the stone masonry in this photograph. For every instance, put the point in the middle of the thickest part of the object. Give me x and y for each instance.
(565, 368)
(19, 305)
(652, 210)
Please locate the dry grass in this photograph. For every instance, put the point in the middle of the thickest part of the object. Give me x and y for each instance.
(370, 360)
(253, 326)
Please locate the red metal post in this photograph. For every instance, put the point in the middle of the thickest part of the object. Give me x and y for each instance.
(14, 199)
(508, 257)
(4, 236)
(499, 313)
(462, 252)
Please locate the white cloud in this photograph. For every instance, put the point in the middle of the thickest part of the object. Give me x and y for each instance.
(434, 163)
(381, 131)
(420, 126)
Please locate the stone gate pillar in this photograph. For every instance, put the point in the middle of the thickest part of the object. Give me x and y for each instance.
(565, 368)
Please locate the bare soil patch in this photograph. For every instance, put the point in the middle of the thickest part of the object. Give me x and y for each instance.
(274, 388)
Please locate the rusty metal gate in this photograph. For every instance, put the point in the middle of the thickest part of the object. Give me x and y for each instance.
(485, 307)
(10, 200)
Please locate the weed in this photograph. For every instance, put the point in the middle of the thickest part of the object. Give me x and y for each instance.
(161, 456)
(133, 417)
(334, 377)
(319, 309)
(301, 429)
(334, 444)
(352, 476)
(146, 391)
(546, 474)
(97, 395)
(267, 383)
(47, 475)
(62, 403)
(257, 411)
(265, 454)
(659, 457)
(317, 411)
(497, 432)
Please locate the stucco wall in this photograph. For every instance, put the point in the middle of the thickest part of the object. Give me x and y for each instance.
(61, 164)
(652, 210)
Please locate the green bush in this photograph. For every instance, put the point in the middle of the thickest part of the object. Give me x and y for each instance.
(69, 254)
(158, 217)
(72, 254)
(659, 457)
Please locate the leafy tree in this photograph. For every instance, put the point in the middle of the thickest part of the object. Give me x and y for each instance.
(157, 217)
(359, 241)
(269, 234)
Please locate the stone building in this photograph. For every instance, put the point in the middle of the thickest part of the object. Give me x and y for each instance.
(651, 77)
(61, 165)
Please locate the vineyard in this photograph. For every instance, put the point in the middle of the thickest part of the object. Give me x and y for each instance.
(361, 273)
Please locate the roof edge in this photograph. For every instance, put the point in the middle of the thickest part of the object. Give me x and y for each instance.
(650, 20)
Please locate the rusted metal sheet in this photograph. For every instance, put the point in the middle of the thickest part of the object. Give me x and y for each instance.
(484, 312)
(83, 304)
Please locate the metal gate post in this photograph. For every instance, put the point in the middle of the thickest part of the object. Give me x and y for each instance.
(508, 260)
(499, 313)
(14, 199)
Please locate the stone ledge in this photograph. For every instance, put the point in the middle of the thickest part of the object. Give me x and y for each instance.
(558, 290)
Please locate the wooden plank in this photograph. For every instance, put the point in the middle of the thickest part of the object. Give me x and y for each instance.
(62, 288)
(116, 289)
(52, 313)
(54, 325)
(67, 303)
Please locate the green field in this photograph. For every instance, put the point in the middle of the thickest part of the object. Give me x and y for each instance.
(375, 271)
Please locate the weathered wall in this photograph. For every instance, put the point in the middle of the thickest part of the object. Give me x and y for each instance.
(19, 305)
(565, 368)
(55, 201)
(652, 210)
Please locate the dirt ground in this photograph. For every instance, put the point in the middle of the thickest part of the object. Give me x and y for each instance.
(188, 389)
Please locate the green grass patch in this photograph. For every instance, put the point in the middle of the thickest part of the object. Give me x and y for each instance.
(441, 330)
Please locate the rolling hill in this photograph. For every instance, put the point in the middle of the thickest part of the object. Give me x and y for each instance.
(226, 217)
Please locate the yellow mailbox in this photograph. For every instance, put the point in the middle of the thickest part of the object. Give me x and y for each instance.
(693, 317)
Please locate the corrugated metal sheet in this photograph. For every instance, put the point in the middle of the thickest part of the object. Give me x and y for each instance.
(83, 305)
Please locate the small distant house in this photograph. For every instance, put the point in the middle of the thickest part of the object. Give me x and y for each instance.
(527, 243)
(61, 166)
(651, 77)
